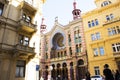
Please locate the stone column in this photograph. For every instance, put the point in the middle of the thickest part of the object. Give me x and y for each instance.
(68, 72)
(75, 72)
(5, 69)
(8, 69)
(13, 68)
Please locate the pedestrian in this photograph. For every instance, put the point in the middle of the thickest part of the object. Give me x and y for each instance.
(117, 75)
(88, 75)
(41, 78)
(113, 72)
(107, 73)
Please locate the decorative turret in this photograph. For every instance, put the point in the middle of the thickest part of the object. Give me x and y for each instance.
(76, 12)
(42, 26)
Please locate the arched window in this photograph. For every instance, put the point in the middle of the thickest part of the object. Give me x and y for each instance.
(118, 29)
(75, 13)
(80, 62)
(107, 18)
(96, 22)
(78, 13)
(93, 24)
(46, 55)
(109, 2)
(105, 3)
(89, 24)
(77, 49)
(111, 16)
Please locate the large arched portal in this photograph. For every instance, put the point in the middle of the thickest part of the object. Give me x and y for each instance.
(53, 72)
(46, 73)
(71, 71)
(58, 72)
(64, 72)
(80, 70)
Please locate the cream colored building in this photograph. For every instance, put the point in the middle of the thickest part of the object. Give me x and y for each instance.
(63, 52)
(102, 34)
(19, 39)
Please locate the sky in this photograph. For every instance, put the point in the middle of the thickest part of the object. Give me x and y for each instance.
(63, 10)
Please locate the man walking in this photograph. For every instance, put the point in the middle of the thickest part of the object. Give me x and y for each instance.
(107, 73)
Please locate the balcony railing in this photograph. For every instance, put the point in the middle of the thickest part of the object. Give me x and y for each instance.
(116, 54)
(27, 26)
(111, 21)
(24, 49)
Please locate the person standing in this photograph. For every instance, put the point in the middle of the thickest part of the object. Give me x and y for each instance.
(107, 73)
(113, 72)
(117, 75)
(88, 75)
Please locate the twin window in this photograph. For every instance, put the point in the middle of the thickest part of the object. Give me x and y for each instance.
(109, 17)
(24, 40)
(98, 51)
(78, 48)
(95, 36)
(20, 68)
(77, 36)
(116, 47)
(26, 18)
(97, 70)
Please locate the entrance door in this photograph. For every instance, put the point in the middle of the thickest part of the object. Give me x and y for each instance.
(81, 72)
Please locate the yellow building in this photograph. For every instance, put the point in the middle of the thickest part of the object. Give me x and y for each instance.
(19, 39)
(102, 33)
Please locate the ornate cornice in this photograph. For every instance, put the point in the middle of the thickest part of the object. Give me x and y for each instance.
(99, 10)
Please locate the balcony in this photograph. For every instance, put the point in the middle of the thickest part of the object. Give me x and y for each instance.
(23, 50)
(28, 6)
(26, 26)
(111, 21)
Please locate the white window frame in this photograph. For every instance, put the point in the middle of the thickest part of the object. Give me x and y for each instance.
(93, 23)
(20, 68)
(110, 32)
(89, 24)
(102, 51)
(95, 51)
(97, 70)
(96, 22)
(116, 47)
(93, 37)
(98, 35)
